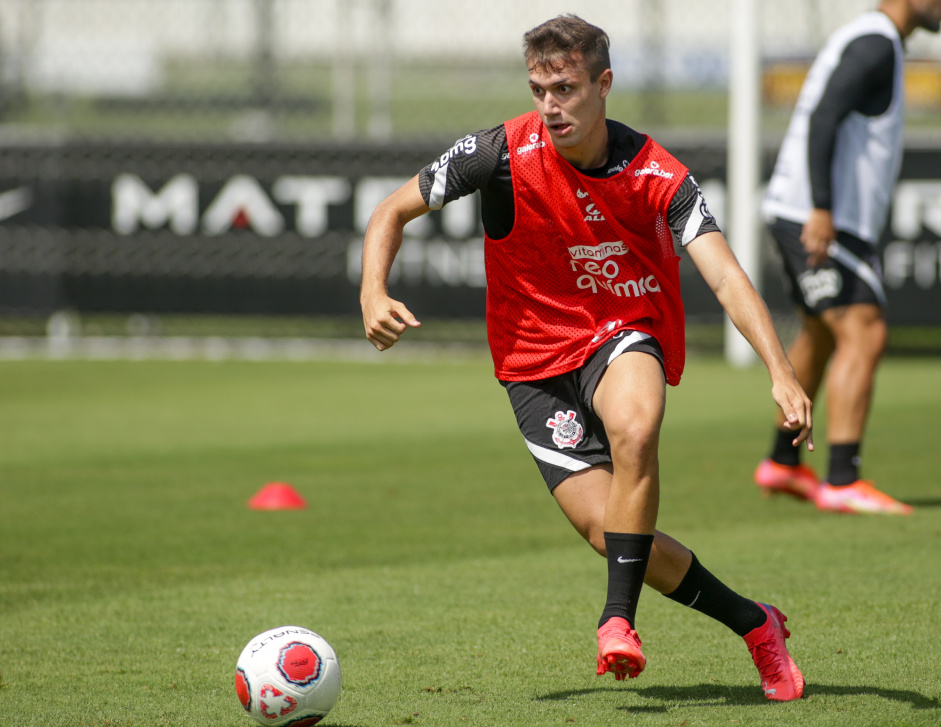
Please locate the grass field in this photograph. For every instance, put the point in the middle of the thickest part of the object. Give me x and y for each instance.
(132, 572)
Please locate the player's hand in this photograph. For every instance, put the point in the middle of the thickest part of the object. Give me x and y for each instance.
(386, 320)
(797, 408)
(817, 234)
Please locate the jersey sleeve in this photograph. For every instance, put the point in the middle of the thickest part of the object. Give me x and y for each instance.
(467, 166)
(688, 216)
(862, 82)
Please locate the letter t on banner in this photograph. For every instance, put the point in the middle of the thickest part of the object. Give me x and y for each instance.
(743, 159)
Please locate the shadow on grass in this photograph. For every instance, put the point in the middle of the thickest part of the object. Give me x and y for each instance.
(925, 502)
(716, 695)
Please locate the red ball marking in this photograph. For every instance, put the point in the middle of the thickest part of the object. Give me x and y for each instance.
(299, 663)
(242, 689)
(274, 703)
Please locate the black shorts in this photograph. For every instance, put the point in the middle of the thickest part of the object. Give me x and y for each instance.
(851, 274)
(555, 415)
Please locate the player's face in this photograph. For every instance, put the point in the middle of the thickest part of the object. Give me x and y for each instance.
(572, 108)
(927, 14)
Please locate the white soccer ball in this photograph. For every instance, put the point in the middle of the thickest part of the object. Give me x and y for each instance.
(288, 676)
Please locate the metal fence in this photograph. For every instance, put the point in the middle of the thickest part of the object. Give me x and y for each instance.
(210, 157)
(302, 70)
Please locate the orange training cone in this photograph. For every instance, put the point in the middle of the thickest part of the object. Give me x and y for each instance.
(277, 496)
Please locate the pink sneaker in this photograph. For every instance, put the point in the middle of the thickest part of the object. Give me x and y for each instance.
(619, 649)
(860, 497)
(780, 677)
(800, 481)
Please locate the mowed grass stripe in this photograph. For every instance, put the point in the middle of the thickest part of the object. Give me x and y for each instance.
(132, 572)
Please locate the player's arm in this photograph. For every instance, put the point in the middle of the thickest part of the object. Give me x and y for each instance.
(384, 318)
(862, 82)
(717, 264)
(472, 163)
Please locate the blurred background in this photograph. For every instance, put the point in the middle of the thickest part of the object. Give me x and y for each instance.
(206, 168)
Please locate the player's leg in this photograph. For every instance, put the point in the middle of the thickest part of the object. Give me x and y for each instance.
(569, 443)
(854, 315)
(674, 571)
(630, 401)
(670, 569)
(570, 447)
(583, 498)
(782, 471)
(861, 335)
(809, 354)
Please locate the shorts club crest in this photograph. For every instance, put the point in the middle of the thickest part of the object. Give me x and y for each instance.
(567, 432)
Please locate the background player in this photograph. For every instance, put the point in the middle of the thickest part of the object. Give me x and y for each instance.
(586, 326)
(829, 199)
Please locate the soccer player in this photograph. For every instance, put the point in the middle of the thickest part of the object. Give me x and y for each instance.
(586, 326)
(828, 201)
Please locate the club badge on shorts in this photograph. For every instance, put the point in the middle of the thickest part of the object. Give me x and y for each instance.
(566, 431)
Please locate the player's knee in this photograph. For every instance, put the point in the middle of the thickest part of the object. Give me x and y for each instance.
(880, 337)
(868, 341)
(595, 538)
(634, 437)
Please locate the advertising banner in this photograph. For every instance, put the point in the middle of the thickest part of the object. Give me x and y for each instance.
(256, 229)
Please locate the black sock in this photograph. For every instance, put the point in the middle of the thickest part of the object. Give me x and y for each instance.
(783, 452)
(844, 464)
(705, 593)
(628, 554)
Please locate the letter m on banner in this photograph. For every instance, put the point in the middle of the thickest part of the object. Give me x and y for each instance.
(134, 204)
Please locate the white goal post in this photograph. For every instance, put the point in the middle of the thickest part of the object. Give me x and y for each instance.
(744, 158)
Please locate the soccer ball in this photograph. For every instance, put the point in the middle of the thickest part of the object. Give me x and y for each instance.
(288, 676)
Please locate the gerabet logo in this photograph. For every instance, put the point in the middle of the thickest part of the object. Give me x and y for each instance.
(533, 144)
(653, 169)
(566, 431)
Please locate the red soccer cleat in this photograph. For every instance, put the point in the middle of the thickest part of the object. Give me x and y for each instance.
(781, 680)
(859, 497)
(619, 649)
(800, 481)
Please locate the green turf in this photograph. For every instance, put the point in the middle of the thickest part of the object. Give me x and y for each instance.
(132, 573)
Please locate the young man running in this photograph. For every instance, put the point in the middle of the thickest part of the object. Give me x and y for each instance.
(586, 325)
(828, 201)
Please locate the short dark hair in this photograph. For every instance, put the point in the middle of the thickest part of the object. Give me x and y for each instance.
(550, 46)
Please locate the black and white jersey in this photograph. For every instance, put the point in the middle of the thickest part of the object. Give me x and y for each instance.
(481, 162)
(843, 147)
